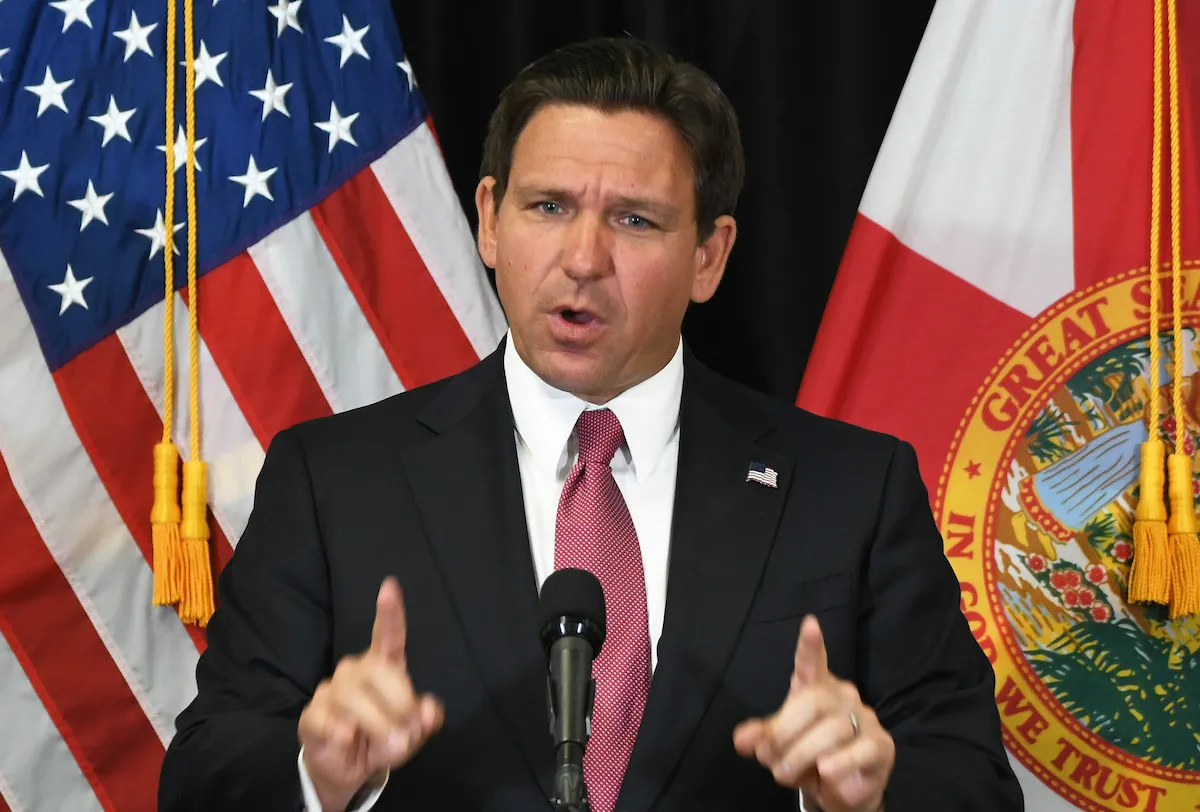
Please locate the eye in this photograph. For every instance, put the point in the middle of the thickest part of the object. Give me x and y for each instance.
(548, 207)
(637, 221)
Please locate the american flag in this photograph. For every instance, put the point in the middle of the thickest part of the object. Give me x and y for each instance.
(337, 269)
(763, 475)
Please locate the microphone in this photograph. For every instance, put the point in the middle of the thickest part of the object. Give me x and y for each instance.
(573, 626)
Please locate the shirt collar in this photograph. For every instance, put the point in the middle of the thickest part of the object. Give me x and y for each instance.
(545, 417)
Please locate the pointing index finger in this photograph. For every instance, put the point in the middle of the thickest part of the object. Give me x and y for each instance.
(812, 661)
(390, 633)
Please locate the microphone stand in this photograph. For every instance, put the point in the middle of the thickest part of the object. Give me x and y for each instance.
(571, 724)
(571, 645)
(570, 789)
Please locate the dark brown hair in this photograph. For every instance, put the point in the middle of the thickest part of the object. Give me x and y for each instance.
(614, 75)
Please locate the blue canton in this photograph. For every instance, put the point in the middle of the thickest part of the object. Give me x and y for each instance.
(292, 99)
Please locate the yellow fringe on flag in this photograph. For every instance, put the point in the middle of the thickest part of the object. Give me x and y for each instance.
(1184, 547)
(182, 570)
(196, 605)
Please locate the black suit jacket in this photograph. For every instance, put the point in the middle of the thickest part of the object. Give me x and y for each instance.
(426, 486)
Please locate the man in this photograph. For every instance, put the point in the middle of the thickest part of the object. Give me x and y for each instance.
(782, 623)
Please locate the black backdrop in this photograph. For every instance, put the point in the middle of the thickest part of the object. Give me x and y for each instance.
(814, 85)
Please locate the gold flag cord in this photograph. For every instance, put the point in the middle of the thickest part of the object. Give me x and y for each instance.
(182, 570)
(165, 515)
(196, 604)
(1166, 565)
(1183, 546)
(1148, 574)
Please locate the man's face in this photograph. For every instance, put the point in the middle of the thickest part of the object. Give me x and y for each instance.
(595, 247)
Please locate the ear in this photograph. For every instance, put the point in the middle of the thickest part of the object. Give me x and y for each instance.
(485, 207)
(711, 256)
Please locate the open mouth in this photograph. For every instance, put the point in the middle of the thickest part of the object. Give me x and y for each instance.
(581, 317)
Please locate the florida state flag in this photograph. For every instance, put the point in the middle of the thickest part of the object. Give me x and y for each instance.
(996, 307)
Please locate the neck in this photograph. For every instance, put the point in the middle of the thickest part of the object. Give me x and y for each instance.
(596, 397)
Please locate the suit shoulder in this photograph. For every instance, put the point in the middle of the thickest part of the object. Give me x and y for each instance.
(839, 433)
(796, 427)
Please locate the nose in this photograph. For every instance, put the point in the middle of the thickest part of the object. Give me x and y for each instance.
(586, 251)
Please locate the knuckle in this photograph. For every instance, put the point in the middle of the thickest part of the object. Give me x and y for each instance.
(849, 691)
(342, 736)
(344, 671)
(320, 697)
(780, 733)
(395, 693)
(310, 725)
(402, 687)
(825, 702)
(781, 773)
(318, 709)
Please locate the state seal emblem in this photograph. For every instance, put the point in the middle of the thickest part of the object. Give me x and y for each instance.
(1099, 695)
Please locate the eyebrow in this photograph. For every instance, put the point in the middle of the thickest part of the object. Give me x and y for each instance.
(658, 209)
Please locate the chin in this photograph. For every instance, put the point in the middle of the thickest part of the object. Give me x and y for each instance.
(579, 376)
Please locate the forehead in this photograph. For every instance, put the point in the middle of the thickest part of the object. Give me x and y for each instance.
(588, 150)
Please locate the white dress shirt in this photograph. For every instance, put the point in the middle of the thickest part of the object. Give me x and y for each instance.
(644, 469)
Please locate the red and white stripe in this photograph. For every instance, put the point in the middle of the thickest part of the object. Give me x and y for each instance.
(375, 290)
(43, 773)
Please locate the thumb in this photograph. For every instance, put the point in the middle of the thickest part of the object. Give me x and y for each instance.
(812, 663)
(747, 735)
(391, 628)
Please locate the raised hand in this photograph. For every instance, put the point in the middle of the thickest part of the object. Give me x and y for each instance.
(366, 719)
(823, 740)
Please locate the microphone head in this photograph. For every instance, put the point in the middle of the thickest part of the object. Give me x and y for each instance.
(576, 595)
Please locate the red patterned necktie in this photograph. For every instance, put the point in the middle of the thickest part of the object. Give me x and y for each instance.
(595, 532)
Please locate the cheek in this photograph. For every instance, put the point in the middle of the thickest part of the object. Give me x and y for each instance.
(658, 292)
(516, 270)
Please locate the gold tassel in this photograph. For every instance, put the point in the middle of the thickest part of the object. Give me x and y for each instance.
(164, 525)
(1183, 544)
(1148, 573)
(196, 605)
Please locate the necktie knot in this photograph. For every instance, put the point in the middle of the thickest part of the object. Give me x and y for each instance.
(600, 435)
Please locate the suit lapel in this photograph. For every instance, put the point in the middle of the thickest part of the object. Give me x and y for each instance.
(723, 529)
(468, 489)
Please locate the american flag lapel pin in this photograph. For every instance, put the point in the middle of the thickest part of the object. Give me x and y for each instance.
(763, 475)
